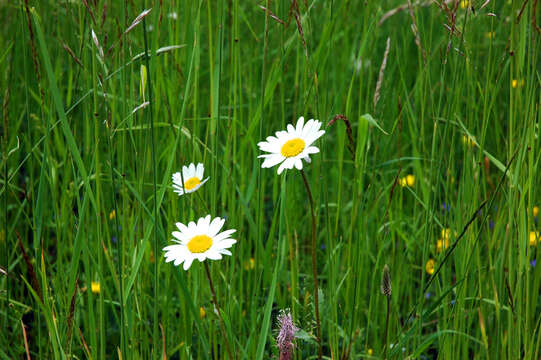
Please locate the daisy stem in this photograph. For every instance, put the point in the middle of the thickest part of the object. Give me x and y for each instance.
(314, 265)
(215, 301)
(203, 202)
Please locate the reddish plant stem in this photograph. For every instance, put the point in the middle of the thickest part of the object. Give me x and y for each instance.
(314, 265)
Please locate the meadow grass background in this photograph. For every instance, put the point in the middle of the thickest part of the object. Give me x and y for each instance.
(86, 183)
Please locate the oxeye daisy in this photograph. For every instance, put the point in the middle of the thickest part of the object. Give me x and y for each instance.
(193, 179)
(289, 148)
(201, 240)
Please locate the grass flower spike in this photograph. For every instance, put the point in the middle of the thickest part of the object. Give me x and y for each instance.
(193, 179)
(199, 241)
(289, 148)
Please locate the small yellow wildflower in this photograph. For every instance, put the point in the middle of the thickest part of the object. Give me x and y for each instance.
(534, 238)
(202, 312)
(370, 351)
(466, 140)
(410, 179)
(517, 83)
(95, 287)
(250, 264)
(429, 267)
(490, 35)
(535, 211)
(112, 214)
(442, 244)
(465, 3)
(446, 234)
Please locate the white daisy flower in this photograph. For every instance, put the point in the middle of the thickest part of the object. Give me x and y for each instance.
(199, 241)
(292, 146)
(193, 179)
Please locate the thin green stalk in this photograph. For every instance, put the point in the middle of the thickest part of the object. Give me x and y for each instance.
(7, 310)
(261, 120)
(215, 301)
(314, 265)
(386, 338)
(155, 338)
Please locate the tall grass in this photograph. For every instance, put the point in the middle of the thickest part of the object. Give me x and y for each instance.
(86, 180)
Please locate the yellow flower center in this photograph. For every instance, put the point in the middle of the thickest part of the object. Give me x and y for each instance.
(199, 244)
(293, 147)
(191, 183)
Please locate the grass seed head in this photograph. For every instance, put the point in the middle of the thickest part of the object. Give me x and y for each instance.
(386, 286)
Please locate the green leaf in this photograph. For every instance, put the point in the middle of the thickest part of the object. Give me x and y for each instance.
(371, 120)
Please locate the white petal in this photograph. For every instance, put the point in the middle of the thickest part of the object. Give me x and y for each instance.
(281, 168)
(188, 262)
(313, 137)
(178, 258)
(290, 129)
(307, 159)
(215, 226)
(175, 252)
(281, 135)
(183, 228)
(307, 128)
(287, 164)
(201, 257)
(311, 150)
(300, 125)
(226, 244)
(192, 168)
(272, 160)
(298, 164)
(224, 252)
(271, 147)
(193, 189)
(171, 248)
(192, 227)
(204, 181)
(214, 255)
(185, 173)
(203, 224)
(169, 259)
(178, 261)
(179, 237)
(199, 171)
(223, 235)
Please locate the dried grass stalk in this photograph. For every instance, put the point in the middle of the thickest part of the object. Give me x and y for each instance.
(381, 72)
(415, 30)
